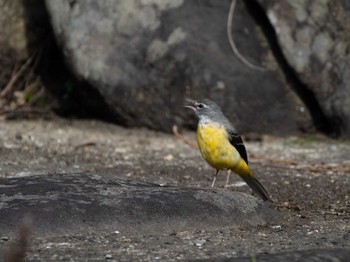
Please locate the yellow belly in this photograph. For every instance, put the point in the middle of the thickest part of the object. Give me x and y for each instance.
(217, 150)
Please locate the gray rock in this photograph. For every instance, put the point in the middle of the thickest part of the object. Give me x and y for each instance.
(13, 40)
(316, 255)
(314, 37)
(22, 28)
(65, 203)
(145, 56)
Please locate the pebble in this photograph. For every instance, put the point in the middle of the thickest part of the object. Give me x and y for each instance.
(18, 136)
(199, 242)
(11, 146)
(168, 157)
(276, 227)
(4, 238)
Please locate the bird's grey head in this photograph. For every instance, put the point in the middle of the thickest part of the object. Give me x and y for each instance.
(205, 109)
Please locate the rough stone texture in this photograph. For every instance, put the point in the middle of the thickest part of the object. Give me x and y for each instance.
(311, 174)
(314, 37)
(13, 41)
(316, 255)
(23, 31)
(145, 56)
(84, 202)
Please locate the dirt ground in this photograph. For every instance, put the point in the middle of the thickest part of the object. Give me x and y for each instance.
(308, 178)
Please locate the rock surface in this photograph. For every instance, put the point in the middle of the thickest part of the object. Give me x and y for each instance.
(78, 203)
(314, 38)
(145, 57)
(307, 177)
(13, 40)
(22, 28)
(321, 255)
(135, 61)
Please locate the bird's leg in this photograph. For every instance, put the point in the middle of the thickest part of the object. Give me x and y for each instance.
(216, 174)
(228, 177)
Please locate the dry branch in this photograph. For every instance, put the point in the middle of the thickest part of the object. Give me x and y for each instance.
(232, 42)
(15, 77)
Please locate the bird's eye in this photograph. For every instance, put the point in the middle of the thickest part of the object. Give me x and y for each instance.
(200, 106)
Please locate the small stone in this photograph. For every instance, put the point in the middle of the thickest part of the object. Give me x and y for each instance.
(276, 227)
(220, 85)
(169, 157)
(199, 242)
(239, 184)
(18, 136)
(4, 238)
(108, 256)
(10, 146)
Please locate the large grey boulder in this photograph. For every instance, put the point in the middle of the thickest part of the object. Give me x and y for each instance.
(145, 56)
(66, 203)
(314, 38)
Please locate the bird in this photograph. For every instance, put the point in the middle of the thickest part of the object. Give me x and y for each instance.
(221, 145)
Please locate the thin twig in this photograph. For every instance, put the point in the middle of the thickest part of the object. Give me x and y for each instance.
(12, 113)
(232, 42)
(310, 169)
(291, 162)
(289, 206)
(293, 165)
(183, 138)
(36, 97)
(263, 159)
(37, 55)
(15, 77)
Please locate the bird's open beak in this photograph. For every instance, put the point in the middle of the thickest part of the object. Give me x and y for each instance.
(191, 105)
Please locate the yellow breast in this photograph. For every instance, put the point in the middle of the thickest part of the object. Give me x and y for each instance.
(217, 150)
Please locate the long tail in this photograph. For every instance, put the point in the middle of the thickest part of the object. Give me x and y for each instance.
(256, 186)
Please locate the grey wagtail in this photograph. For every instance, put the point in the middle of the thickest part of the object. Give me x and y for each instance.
(221, 145)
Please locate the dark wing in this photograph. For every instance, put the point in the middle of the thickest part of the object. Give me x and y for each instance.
(236, 140)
